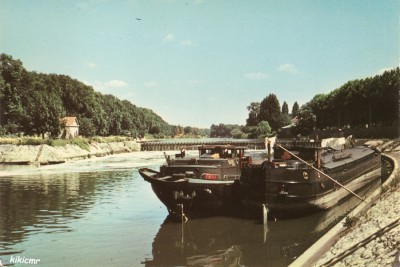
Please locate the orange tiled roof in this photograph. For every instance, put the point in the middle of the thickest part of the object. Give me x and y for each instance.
(69, 121)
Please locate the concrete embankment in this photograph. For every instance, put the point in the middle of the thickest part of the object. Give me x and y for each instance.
(44, 154)
(370, 234)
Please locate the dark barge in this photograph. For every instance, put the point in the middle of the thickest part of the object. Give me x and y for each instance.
(199, 186)
(304, 177)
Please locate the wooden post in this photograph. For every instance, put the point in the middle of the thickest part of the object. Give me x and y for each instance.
(265, 222)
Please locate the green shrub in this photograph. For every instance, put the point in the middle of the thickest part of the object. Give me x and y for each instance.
(350, 222)
(82, 143)
(32, 141)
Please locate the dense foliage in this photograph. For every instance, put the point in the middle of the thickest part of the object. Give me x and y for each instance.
(261, 130)
(254, 114)
(370, 102)
(295, 109)
(265, 118)
(270, 111)
(189, 131)
(33, 103)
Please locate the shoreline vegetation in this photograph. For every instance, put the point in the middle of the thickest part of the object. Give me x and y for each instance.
(33, 103)
(80, 141)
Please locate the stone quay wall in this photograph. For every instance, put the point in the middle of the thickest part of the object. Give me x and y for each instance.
(373, 239)
(44, 154)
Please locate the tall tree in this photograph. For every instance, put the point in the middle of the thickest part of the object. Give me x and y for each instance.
(12, 73)
(270, 111)
(295, 109)
(254, 113)
(285, 108)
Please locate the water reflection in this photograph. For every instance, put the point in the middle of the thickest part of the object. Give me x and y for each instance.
(230, 242)
(47, 203)
(222, 241)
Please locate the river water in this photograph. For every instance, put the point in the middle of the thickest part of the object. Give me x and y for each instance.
(100, 212)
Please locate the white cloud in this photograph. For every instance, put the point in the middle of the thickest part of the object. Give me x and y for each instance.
(151, 84)
(289, 68)
(198, 2)
(256, 76)
(168, 38)
(116, 84)
(90, 65)
(103, 86)
(186, 42)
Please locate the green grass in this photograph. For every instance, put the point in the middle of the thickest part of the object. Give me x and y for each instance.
(9, 141)
(83, 143)
(109, 139)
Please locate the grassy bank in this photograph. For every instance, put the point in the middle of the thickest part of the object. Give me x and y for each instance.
(81, 142)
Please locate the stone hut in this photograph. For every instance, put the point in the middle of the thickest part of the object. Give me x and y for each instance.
(69, 127)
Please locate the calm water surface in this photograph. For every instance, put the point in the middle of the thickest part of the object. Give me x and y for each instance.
(101, 213)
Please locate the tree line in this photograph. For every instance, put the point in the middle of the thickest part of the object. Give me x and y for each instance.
(265, 118)
(362, 103)
(33, 103)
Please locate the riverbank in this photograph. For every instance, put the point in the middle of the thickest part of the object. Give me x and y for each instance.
(45, 154)
(369, 235)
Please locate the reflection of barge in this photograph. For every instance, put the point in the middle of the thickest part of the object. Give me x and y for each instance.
(308, 176)
(230, 241)
(200, 185)
(195, 243)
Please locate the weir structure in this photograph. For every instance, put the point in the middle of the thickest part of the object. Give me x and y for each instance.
(161, 145)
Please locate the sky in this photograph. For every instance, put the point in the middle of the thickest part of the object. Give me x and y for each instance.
(202, 62)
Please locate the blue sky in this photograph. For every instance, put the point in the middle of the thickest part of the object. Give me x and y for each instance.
(202, 62)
